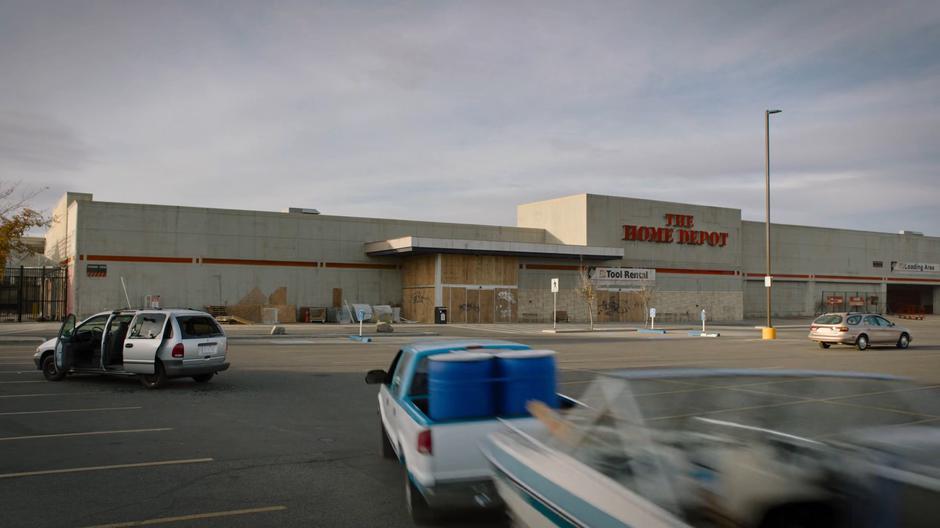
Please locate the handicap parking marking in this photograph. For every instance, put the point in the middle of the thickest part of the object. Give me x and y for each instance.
(84, 433)
(105, 468)
(70, 410)
(191, 517)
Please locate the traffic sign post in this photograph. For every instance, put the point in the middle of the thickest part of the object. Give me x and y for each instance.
(554, 303)
(652, 318)
(703, 320)
(362, 314)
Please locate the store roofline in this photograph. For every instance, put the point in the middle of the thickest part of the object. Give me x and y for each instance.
(412, 245)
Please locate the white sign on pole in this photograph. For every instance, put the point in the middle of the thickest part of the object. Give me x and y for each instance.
(767, 279)
(554, 285)
(703, 315)
(652, 318)
(652, 312)
(703, 320)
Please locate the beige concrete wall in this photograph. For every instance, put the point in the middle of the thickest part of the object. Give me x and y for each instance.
(817, 250)
(564, 219)
(116, 229)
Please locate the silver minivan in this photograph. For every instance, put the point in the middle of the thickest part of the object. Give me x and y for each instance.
(154, 345)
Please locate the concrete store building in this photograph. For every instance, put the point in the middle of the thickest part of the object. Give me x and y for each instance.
(679, 258)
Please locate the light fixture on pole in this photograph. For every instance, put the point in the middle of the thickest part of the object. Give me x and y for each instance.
(769, 332)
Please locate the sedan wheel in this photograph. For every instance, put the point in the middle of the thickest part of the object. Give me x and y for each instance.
(904, 341)
(862, 342)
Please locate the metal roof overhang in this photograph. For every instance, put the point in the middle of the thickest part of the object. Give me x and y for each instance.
(411, 245)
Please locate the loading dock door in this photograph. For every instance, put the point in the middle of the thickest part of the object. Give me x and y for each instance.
(910, 298)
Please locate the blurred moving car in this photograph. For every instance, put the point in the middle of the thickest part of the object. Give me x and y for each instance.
(859, 329)
(155, 345)
(731, 448)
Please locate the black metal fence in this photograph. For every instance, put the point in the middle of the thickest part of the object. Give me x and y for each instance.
(33, 294)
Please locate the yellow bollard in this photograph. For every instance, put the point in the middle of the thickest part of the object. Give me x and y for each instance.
(768, 332)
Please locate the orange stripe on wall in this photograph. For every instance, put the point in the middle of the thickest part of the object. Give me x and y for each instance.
(360, 265)
(126, 258)
(552, 267)
(695, 271)
(260, 262)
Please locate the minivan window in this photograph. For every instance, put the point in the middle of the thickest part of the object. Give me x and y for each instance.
(147, 326)
(854, 320)
(828, 319)
(198, 326)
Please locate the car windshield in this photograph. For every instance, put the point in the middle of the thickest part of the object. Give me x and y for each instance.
(828, 319)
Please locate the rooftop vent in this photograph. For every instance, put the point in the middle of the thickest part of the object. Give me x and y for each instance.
(303, 210)
(911, 233)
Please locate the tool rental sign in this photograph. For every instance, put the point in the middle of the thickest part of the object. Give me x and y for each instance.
(679, 229)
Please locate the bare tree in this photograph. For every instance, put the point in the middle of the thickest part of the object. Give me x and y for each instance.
(16, 219)
(588, 292)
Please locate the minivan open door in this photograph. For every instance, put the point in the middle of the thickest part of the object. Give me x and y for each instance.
(63, 346)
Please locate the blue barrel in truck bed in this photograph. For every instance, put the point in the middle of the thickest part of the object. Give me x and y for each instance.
(461, 386)
(524, 375)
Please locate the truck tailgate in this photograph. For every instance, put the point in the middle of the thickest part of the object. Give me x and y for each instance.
(457, 454)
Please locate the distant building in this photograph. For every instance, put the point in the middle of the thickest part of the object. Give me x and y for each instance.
(678, 258)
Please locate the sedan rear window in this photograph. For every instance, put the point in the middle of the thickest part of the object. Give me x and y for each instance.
(197, 326)
(828, 319)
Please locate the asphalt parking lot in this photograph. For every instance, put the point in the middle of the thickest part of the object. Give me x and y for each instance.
(289, 435)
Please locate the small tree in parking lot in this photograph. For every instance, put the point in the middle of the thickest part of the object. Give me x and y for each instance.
(16, 219)
(588, 292)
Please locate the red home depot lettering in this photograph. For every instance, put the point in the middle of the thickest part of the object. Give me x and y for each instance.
(678, 230)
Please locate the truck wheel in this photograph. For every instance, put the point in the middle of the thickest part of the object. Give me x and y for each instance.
(387, 450)
(155, 380)
(203, 378)
(823, 345)
(49, 369)
(418, 507)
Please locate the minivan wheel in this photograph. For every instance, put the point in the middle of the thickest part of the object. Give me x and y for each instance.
(862, 342)
(49, 369)
(823, 345)
(904, 341)
(155, 380)
(203, 378)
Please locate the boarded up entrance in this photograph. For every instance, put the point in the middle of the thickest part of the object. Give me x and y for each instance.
(474, 288)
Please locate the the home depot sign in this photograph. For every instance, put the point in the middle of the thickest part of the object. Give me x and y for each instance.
(679, 229)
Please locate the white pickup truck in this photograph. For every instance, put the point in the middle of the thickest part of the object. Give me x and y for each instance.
(444, 467)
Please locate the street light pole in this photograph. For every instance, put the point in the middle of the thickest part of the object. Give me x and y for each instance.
(769, 333)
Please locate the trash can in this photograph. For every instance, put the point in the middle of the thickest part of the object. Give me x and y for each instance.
(440, 315)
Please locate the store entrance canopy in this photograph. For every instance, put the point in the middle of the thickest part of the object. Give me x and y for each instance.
(412, 245)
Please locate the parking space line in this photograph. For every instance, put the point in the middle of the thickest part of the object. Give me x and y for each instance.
(103, 468)
(71, 410)
(39, 394)
(192, 517)
(86, 433)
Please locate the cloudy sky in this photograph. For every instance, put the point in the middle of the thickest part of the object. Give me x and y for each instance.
(458, 111)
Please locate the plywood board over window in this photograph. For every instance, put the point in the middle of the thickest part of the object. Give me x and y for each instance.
(487, 306)
(456, 301)
(479, 269)
(418, 271)
(418, 304)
